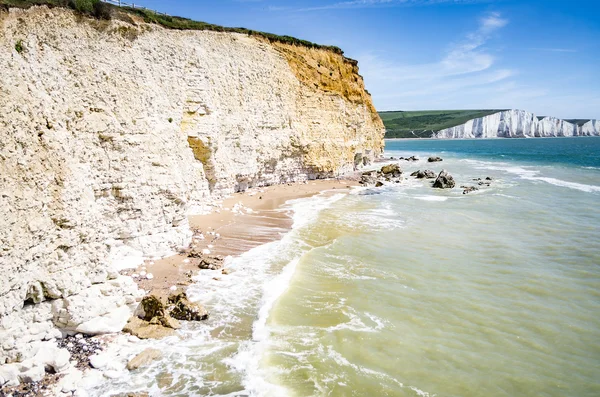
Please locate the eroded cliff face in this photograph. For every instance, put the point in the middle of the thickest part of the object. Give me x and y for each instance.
(112, 133)
(518, 124)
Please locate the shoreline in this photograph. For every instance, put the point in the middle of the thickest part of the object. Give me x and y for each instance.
(237, 224)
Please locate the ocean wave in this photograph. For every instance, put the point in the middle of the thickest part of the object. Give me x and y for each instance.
(533, 174)
(431, 198)
(357, 324)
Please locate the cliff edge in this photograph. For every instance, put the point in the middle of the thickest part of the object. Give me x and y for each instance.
(113, 132)
(518, 124)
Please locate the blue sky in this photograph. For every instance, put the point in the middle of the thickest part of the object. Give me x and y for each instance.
(538, 55)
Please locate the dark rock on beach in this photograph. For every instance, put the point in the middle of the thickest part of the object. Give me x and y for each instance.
(388, 173)
(391, 169)
(468, 189)
(434, 159)
(211, 262)
(423, 174)
(181, 308)
(411, 158)
(155, 318)
(444, 181)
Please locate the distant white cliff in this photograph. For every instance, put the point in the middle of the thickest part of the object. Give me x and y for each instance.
(518, 124)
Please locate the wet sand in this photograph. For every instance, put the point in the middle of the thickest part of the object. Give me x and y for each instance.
(237, 224)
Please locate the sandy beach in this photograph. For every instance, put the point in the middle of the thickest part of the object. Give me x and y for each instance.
(237, 224)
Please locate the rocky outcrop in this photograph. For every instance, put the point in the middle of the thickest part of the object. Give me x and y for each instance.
(444, 181)
(181, 308)
(469, 189)
(113, 132)
(390, 173)
(518, 124)
(426, 174)
(144, 358)
(434, 159)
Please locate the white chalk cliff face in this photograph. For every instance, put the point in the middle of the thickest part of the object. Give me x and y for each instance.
(518, 124)
(112, 133)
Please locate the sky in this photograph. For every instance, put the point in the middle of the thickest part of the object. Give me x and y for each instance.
(537, 55)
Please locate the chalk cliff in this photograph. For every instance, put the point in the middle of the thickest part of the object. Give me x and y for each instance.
(518, 124)
(113, 132)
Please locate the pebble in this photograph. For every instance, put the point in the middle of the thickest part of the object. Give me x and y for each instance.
(186, 261)
(206, 251)
(173, 288)
(210, 246)
(152, 263)
(217, 235)
(149, 276)
(142, 273)
(79, 336)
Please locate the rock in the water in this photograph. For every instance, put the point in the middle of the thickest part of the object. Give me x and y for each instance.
(488, 178)
(144, 330)
(469, 189)
(144, 358)
(444, 181)
(368, 178)
(434, 159)
(164, 379)
(152, 320)
(423, 174)
(152, 307)
(391, 169)
(211, 262)
(379, 184)
(182, 309)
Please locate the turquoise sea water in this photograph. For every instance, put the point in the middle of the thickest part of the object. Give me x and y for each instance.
(406, 290)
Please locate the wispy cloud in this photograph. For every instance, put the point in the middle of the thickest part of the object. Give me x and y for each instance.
(465, 65)
(554, 49)
(348, 4)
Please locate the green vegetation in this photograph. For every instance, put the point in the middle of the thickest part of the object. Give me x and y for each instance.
(98, 9)
(94, 8)
(19, 46)
(422, 123)
(188, 24)
(170, 119)
(579, 122)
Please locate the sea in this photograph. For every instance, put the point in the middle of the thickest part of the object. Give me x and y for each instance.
(407, 290)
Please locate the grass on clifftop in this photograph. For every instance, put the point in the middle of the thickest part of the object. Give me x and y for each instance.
(98, 9)
(422, 123)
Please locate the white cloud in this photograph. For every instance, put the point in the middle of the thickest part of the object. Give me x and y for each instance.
(376, 3)
(466, 66)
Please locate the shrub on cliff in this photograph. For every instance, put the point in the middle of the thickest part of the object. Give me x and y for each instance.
(85, 6)
(102, 10)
